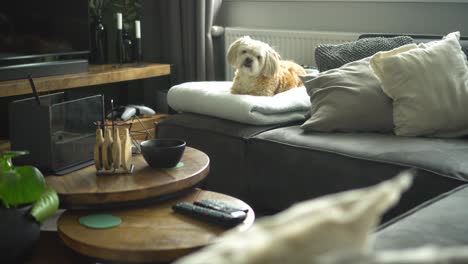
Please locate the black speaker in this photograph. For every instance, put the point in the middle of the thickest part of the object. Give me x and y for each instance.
(41, 69)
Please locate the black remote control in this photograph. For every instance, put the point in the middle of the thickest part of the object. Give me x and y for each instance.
(210, 215)
(220, 206)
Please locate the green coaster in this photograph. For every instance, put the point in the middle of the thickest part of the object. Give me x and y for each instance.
(100, 221)
(179, 165)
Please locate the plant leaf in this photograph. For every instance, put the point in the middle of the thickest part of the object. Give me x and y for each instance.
(46, 206)
(5, 159)
(23, 184)
(2, 186)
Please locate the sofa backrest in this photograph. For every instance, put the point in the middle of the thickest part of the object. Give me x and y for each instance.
(418, 38)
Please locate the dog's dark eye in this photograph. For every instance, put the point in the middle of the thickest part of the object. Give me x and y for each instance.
(259, 57)
(244, 51)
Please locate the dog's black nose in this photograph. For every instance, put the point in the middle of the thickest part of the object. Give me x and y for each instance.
(248, 62)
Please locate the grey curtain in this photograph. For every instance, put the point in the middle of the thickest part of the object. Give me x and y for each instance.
(178, 32)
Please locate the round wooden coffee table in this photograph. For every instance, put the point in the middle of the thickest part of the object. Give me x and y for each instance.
(84, 189)
(150, 234)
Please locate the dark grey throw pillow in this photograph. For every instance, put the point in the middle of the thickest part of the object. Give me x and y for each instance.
(334, 56)
(348, 99)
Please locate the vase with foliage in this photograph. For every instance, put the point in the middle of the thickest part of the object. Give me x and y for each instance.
(130, 9)
(107, 10)
(98, 32)
(98, 42)
(25, 202)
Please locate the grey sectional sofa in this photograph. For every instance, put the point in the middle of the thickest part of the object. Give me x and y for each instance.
(439, 221)
(272, 167)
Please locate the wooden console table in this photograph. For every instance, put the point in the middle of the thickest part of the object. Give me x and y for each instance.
(97, 74)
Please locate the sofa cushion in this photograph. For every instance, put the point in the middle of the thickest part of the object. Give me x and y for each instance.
(418, 38)
(428, 85)
(214, 126)
(348, 99)
(214, 98)
(332, 56)
(440, 222)
(222, 140)
(288, 165)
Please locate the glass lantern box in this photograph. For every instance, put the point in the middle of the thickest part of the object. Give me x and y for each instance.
(58, 133)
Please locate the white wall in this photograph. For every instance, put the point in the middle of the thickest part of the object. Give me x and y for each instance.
(347, 16)
(343, 16)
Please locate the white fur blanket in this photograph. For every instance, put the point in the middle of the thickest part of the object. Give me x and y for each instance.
(215, 99)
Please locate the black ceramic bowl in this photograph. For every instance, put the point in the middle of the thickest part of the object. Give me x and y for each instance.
(162, 153)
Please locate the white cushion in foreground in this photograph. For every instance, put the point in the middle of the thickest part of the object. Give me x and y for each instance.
(334, 224)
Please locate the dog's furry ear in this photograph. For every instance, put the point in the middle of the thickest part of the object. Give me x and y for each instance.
(271, 63)
(233, 49)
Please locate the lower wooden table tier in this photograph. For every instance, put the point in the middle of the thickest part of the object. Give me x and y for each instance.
(149, 234)
(84, 189)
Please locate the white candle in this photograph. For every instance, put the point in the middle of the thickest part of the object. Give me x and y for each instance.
(137, 29)
(119, 21)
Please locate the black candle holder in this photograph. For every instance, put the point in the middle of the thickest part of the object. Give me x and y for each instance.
(138, 51)
(119, 47)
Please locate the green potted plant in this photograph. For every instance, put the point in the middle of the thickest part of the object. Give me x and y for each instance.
(25, 202)
(130, 9)
(97, 7)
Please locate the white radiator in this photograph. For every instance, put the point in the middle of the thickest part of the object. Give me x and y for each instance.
(295, 45)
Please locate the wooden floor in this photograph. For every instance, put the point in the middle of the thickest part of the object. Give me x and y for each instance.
(51, 250)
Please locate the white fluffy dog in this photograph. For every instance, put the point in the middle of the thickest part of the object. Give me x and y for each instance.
(260, 70)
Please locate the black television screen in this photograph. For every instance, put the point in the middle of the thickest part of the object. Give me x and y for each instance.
(31, 28)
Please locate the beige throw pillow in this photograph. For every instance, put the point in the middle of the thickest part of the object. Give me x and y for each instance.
(429, 87)
(334, 224)
(348, 99)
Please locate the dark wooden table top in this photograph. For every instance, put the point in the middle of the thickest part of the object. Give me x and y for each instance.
(84, 187)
